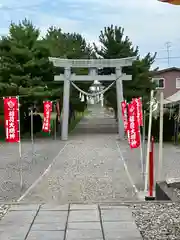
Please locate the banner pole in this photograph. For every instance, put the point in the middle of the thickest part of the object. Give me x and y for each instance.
(50, 113)
(148, 143)
(20, 146)
(32, 134)
(141, 124)
(141, 153)
(160, 136)
(55, 134)
(143, 142)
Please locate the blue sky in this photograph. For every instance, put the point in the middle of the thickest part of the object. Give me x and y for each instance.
(148, 23)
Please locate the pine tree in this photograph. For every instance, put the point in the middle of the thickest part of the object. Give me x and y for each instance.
(71, 46)
(116, 45)
(24, 60)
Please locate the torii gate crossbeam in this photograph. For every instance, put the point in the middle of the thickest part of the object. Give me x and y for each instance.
(93, 65)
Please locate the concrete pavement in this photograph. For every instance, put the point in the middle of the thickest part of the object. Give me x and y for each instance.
(68, 222)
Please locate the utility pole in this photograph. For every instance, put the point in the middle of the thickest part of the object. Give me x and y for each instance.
(168, 45)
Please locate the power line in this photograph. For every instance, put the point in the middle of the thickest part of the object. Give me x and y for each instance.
(159, 58)
(165, 49)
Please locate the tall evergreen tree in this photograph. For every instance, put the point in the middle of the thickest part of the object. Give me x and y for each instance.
(24, 60)
(71, 46)
(116, 45)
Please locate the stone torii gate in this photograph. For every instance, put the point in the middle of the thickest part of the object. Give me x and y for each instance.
(93, 65)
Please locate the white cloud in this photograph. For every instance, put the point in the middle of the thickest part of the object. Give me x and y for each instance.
(148, 23)
(131, 4)
(14, 4)
(39, 18)
(47, 21)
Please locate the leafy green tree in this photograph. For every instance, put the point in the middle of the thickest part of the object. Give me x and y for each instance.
(24, 65)
(114, 44)
(67, 45)
(24, 60)
(71, 46)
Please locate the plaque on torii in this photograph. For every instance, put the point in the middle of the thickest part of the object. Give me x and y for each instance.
(93, 65)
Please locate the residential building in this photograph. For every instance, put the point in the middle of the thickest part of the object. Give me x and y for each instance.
(167, 80)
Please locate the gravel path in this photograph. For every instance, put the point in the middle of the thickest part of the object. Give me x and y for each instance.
(177, 192)
(158, 221)
(3, 210)
(44, 152)
(170, 164)
(90, 160)
(88, 170)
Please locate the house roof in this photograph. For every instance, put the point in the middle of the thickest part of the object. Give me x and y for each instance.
(173, 99)
(166, 70)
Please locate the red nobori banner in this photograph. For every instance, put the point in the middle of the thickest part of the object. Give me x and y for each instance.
(11, 119)
(124, 115)
(47, 116)
(138, 103)
(133, 127)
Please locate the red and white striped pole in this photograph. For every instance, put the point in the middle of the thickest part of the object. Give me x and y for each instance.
(151, 172)
(151, 168)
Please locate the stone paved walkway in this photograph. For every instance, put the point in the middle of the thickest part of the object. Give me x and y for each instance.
(68, 222)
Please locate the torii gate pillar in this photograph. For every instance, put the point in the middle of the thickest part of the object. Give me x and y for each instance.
(119, 93)
(65, 110)
(92, 64)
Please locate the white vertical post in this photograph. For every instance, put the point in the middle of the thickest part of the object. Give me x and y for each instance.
(65, 114)
(143, 142)
(32, 134)
(20, 147)
(55, 122)
(160, 136)
(141, 153)
(102, 100)
(149, 142)
(119, 92)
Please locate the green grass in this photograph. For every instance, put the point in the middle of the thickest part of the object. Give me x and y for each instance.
(2, 130)
(75, 121)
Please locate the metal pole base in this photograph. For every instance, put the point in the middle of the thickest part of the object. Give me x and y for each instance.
(150, 198)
